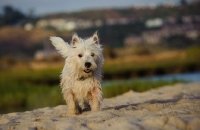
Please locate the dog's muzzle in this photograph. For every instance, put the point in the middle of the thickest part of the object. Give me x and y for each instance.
(87, 65)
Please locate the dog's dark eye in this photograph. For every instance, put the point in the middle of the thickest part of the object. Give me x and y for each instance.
(92, 54)
(80, 55)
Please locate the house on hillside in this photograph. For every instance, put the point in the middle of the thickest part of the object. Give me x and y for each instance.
(147, 37)
(43, 55)
(152, 23)
(133, 40)
(61, 24)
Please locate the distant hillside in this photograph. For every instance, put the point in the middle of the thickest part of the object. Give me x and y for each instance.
(19, 42)
(133, 12)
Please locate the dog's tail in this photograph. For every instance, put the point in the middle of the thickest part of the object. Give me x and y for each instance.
(61, 46)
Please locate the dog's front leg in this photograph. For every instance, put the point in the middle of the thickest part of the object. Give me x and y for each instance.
(72, 104)
(96, 100)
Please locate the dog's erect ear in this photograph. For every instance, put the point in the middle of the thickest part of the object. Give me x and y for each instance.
(61, 46)
(75, 39)
(95, 38)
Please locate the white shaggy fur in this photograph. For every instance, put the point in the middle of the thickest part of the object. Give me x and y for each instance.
(81, 75)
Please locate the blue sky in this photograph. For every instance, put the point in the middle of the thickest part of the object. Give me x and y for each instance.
(42, 7)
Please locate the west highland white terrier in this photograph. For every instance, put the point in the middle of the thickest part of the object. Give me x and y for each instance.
(81, 76)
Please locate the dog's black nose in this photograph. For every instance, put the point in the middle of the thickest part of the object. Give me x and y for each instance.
(87, 64)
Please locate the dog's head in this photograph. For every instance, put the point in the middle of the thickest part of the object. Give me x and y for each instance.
(83, 56)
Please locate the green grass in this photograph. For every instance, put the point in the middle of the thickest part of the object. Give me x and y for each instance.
(28, 89)
(27, 96)
(118, 88)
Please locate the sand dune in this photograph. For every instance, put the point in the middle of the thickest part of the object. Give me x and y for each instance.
(170, 108)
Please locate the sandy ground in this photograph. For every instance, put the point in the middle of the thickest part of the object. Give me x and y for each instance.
(170, 108)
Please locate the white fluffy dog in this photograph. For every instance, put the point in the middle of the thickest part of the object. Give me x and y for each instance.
(81, 75)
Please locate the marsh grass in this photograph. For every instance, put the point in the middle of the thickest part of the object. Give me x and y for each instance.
(32, 89)
(28, 89)
(118, 88)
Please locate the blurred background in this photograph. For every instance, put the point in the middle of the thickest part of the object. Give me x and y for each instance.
(147, 44)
